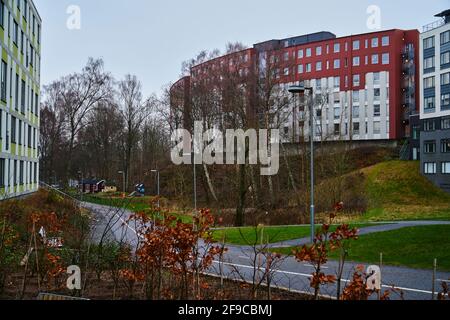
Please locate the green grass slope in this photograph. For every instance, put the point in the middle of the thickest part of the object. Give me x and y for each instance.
(397, 191)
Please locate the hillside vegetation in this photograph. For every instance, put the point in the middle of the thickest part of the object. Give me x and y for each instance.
(397, 191)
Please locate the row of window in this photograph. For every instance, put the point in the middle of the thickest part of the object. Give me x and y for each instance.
(430, 82)
(430, 125)
(20, 39)
(356, 129)
(23, 6)
(431, 146)
(356, 45)
(18, 131)
(430, 102)
(308, 67)
(430, 63)
(431, 168)
(17, 86)
(17, 172)
(429, 42)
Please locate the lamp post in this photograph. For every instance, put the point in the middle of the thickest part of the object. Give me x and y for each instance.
(301, 90)
(123, 179)
(159, 191)
(192, 155)
(82, 186)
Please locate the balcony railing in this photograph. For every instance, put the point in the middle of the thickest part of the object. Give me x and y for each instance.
(433, 25)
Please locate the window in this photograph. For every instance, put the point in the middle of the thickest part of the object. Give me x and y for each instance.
(416, 132)
(374, 42)
(2, 14)
(356, 80)
(385, 41)
(445, 79)
(21, 181)
(428, 83)
(286, 71)
(337, 129)
(445, 37)
(318, 84)
(319, 66)
(445, 58)
(318, 51)
(445, 123)
(308, 52)
(337, 113)
(36, 102)
(356, 45)
(337, 47)
(22, 105)
(22, 40)
(376, 110)
(337, 82)
(20, 132)
(445, 167)
(429, 103)
(4, 69)
(308, 67)
(300, 68)
(17, 92)
(428, 63)
(356, 128)
(356, 61)
(445, 100)
(2, 172)
(430, 146)
(355, 112)
(376, 127)
(428, 43)
(385, 58)
(286, 56)
(29, 136)
(16, 33)
(429, 168)
(445, 146)
(355, 97)
(429, 125)
(13, 130)
(300, 53)
(337, 63)
(375, 59)
(376, 94)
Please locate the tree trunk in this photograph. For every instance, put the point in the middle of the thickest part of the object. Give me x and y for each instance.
(242, 190)
(209, 181)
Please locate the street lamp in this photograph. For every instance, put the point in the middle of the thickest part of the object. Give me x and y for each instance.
(82, 186)
(123, 179)
(159, 192)
(192, 155)
(301, 90)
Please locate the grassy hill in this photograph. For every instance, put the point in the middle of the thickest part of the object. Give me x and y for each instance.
(396, 190)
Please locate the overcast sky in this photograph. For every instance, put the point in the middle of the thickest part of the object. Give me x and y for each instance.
(151, 38)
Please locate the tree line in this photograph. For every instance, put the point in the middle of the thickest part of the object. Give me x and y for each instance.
(94, 126)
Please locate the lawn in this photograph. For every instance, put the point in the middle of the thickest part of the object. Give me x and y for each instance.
(251, 236)
(414, 247)
(133, 204)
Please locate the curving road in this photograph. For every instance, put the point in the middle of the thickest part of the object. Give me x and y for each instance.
(239, 261)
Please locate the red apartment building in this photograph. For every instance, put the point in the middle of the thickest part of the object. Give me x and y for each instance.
(370, 81)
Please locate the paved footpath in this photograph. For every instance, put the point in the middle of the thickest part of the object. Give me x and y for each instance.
(238, 262)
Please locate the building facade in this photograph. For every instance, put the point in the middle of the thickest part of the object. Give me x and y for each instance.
(20, 41)
(369, 82)
(435, 101)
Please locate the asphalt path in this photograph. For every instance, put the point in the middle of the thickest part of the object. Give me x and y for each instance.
(246, 264)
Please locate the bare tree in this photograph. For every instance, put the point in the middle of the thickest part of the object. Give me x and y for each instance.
(134, 112)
